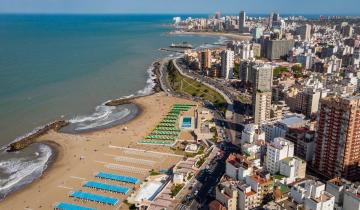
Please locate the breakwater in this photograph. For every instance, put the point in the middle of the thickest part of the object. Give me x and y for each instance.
(31, 137)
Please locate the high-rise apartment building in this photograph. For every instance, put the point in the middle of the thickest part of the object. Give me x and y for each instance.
(242, 23)
(205, 59)
(227, 64)
(347, 31)
(262, 76)
(274, 17)
(271, 17)
(304, 32)
(307, 102)
(261, 106)
(245, 69)
(337, 150)
(257, 32)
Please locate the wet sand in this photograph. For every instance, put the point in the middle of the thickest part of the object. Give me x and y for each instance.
(80, 156)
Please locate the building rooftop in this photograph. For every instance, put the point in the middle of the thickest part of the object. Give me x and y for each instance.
(293, 121)
(261, 180)
(325, 196)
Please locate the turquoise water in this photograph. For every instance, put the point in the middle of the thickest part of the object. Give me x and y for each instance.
(55, 66)
(186, 122)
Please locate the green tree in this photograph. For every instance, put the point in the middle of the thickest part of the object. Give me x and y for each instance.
(297, 71)
(279, 70)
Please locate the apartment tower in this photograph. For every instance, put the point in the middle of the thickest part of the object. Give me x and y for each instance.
(337, 144)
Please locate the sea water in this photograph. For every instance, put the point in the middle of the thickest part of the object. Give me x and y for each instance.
(67, 66)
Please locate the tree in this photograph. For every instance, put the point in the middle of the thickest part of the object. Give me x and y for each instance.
(279, 70)
(297, 71)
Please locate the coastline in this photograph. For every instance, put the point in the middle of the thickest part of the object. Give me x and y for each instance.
(29, 138)
(37, 134)
(62, 143)
(233, 36)
(77, 155)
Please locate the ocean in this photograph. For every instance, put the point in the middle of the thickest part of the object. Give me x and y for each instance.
(55, 66)
(67, 66)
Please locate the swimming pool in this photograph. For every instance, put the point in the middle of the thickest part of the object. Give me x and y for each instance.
(186, 122)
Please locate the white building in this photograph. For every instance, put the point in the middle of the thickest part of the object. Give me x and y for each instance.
(277, 151)
(244, 50)
(248, 199)
(293, 168)
(351, 200)
(238, 169)
(306, 189)
(325, 201)
(312, 194)
(251, 133)
(306, 60)
(278, 128)
(227, 64)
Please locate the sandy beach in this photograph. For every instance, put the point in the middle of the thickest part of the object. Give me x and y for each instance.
(80, 156)
(233, 36)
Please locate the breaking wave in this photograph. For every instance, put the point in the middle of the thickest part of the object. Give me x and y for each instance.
(20, 169)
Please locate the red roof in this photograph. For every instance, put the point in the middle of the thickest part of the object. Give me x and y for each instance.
(216, 205)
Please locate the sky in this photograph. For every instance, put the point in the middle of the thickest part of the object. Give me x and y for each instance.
(341, 7)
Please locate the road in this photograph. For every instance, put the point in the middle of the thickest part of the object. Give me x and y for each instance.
(199, 190)
(235, 120)
(207, 179)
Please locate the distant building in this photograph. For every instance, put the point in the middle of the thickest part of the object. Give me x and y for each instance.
(242, 23)
(276, 49)
(304, 32)
(205, 59)
(347, 31)
(337, 148)
(245, 70)
(256, 48)
(227, 64)
(217, 15)
(306, 60)
(257, 32)
(244, 50)
(271, 19)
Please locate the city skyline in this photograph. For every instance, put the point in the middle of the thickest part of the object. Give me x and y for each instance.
(306, 7)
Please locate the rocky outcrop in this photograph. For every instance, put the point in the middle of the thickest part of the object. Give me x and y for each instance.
(118, 102)
(156, 71)
(157, 88)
